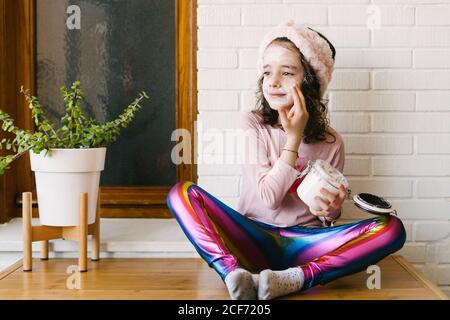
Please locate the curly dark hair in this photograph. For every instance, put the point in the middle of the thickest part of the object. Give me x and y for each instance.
(318, 123)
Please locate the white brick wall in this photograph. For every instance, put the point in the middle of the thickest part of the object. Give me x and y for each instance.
(389, 98)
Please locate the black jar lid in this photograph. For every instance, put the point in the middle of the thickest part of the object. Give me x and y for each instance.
(373, 204)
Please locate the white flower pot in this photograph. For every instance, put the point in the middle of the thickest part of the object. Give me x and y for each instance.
(60, 177)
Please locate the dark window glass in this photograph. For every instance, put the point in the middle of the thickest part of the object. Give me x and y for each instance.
(121, 48)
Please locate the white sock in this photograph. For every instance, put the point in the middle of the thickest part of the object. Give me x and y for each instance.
(255, 278)
(241, 285)
(273, 284)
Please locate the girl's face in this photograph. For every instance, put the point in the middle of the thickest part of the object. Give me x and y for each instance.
(282, 70)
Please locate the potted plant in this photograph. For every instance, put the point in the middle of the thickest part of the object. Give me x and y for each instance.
(66, 158)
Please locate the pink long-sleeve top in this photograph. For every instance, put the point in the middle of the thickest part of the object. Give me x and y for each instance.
(268, 186)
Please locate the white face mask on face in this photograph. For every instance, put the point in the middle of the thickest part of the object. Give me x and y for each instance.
(278, 77)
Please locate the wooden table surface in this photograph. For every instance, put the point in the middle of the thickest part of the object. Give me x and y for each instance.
(191, 278)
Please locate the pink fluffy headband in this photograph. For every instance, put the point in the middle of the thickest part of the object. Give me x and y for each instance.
(316, 49)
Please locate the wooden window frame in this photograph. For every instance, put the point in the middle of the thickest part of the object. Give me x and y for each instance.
(18, 56)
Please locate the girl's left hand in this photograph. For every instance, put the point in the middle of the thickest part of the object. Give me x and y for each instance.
(333, 205)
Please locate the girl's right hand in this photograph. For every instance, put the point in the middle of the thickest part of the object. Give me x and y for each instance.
(294, 119)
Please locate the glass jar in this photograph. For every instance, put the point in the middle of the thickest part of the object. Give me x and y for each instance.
(320, 174)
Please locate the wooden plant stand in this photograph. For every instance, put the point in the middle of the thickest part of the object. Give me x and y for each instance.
(76, 233)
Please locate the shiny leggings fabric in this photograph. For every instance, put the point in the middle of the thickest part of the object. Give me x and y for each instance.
(227, 240)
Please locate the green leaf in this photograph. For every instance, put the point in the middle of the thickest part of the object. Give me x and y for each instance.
(76, 129)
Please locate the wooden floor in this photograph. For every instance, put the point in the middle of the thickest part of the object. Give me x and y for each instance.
(174, 279)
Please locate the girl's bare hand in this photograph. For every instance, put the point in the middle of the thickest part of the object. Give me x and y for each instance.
(294, 119)
(333, 203)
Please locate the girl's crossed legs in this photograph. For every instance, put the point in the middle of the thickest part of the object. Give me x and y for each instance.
(227, 240)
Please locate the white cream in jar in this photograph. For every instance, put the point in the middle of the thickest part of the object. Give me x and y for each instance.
(320, 174)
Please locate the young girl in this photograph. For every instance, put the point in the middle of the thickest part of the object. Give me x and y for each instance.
(272, 232)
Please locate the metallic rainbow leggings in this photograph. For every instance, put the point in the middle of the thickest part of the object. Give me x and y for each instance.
(227, 240)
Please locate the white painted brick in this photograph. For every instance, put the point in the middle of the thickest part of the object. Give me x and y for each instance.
(219, 169)
(433, 144)
(382, 187)
(411, 1)
(433, 101)
(226, 79)
(443, 274)
(327, 1)
(356, 166)
(218, 100)
(218, 15)
(411, 166)
(431, 231)
(209, 158)
(220, 186)
(230, 36)
(211, 153)
(372, 101)
(225, 2)
(248, 58)
(414, 252)
(217, 59)
(346, 37)
(219, 120)
(273, 15)
(433, 251)
(218, 152)
(431, 58)
(250, 37)
(411, 37)
(359, 15)
(408, 229)
(422, 209)
(434, 188)
(411, 122)
(347, 122)
(380, 144)
(420, 79)
(373, 58)
(218, 139)
(248, 100)
(407, 209)
(443, 251)
(349, 80)
(433, 15)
